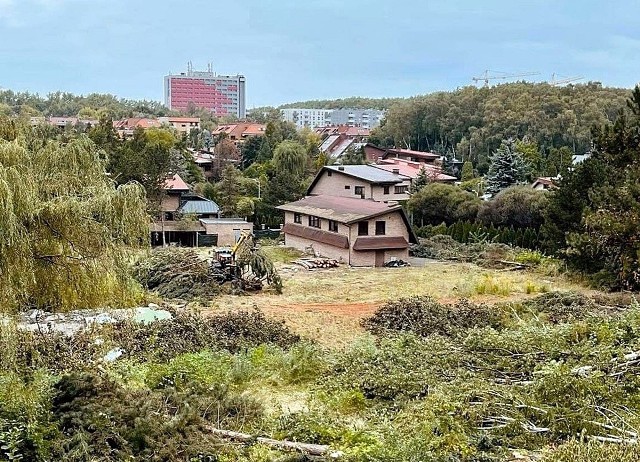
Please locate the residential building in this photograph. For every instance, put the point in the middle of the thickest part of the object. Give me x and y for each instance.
(126, 127)
(240, 131)
(221, 94)
(338, 139)
(353, 117)
(191, 220)
(183, 125)
(412, 170)
(355, 231)
(360, 181)
(374, 153)
(544, 183)
(350, 117)
(310, 118)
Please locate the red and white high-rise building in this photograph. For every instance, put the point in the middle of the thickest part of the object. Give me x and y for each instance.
(221, 94)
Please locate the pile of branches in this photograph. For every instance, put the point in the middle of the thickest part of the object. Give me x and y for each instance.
(177, 273)
(444, 247)
(423, 316)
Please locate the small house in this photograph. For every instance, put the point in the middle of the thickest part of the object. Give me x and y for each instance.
(358, 232)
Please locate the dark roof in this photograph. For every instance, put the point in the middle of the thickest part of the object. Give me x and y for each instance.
(341, 209)
(362, 172)
(314, 234)
(199, 206)
(410, 152)
(380, 242)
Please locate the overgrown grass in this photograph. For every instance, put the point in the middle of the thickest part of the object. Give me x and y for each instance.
(282, 254)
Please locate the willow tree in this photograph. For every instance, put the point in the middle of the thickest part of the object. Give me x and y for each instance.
(65, 227)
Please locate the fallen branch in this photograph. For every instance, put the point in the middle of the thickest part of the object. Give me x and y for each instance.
(305, 448)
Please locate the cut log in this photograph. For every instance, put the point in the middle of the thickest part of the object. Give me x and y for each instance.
(304, 448)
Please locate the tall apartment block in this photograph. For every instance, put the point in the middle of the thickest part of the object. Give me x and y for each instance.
(314, 118)
(221, 94)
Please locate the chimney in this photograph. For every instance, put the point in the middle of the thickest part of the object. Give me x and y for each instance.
(396, 171)
(341, 168)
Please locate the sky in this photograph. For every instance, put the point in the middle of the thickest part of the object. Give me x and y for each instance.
(294, 50)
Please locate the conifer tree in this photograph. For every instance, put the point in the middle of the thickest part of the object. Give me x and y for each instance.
(507, 168)
(422, 179)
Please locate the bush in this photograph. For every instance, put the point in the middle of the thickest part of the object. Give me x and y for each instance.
(437, 203)
(425, 316)
(518, 206)
(563, 306)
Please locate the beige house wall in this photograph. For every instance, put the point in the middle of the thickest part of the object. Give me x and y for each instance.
(334, 185)
(394, 227)
(227, 231)
(170, 203)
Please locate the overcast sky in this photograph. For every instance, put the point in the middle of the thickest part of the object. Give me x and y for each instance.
(291, 50)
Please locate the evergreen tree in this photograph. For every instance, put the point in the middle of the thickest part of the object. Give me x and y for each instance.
(507, 168)
(467, 171)
(422, 179)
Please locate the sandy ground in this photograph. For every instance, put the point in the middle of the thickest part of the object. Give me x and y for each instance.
(328, 304)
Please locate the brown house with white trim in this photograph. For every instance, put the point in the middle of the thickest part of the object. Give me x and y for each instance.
(359, 232)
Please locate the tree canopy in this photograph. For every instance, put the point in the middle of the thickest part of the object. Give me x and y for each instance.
(65, 227)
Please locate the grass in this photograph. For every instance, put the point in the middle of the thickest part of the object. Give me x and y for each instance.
(327, 305)
(281, 254)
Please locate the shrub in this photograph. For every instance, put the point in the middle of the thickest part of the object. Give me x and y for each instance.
(563, 306)
(518, 206)
(425, 316)
(437, 203)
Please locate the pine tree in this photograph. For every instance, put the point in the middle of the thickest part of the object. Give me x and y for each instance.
(507, 168)
(467, 171)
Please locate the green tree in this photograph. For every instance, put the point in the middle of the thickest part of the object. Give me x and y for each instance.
(517, 206)
(436, 203)
(65, 228)
(422, 179)
(507, 168)
(290, 157)
(467, 171)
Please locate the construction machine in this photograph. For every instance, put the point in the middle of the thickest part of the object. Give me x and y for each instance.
(244, 265)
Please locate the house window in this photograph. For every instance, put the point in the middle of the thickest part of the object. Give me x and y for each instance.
(347, 186)
(363, 228)
(297, 218)
(333, 226)
(385, 190)
(314, 221)
(359, 191)
(401, 189)
(380, 228)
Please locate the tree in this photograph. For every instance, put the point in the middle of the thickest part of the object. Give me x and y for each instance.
(290, 157)
(65, 228)
(507, 168)
(422, 179)
(436, 203)
(517, 206)
(353, 156)
(251, 150)
(467, 171)
(225, 153)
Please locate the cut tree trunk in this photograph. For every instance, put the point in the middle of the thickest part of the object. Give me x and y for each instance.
(305, 448)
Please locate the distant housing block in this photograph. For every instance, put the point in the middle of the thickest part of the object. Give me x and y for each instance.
(221, 94)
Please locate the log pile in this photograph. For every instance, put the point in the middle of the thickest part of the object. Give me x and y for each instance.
(315, 263)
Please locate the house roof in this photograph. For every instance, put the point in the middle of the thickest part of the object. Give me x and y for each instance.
(326, 237)
(362, 172)
(175, 183)
(545, 181)
(391, 152)
(214, 221)
(199, 207)
(411, 169)
(342, 209)
(380, 242)
(184, 119)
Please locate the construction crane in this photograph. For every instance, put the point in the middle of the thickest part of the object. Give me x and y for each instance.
(503, 75)
(555, 82)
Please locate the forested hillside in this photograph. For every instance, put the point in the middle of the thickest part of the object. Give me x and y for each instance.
(66, 104)
(473, 121)
(354, 101)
